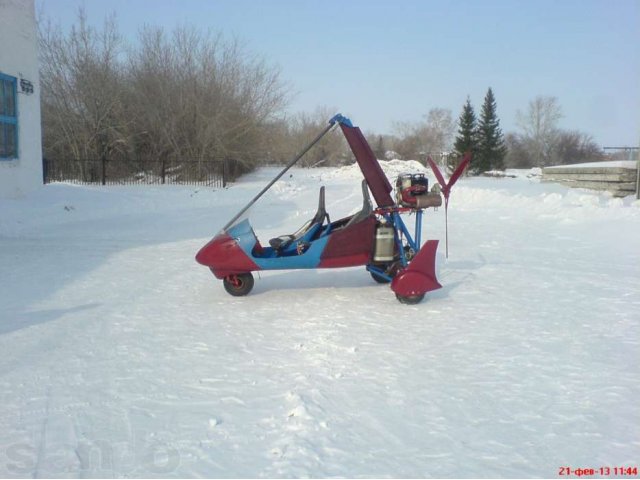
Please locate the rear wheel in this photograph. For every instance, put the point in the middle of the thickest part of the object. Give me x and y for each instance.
(410, 300)
(387, 268)
(378, 278)
(392, 268)
(238, 285)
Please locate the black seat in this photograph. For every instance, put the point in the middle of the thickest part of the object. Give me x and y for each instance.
(305, 233)
(367, 207)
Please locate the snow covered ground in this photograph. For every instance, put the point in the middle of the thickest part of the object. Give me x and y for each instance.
(123, 357)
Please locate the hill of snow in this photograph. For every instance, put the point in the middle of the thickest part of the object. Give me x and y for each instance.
(123, 357)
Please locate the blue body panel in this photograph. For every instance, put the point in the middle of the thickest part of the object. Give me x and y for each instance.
(341, 119)
(244, 235)
(268, 260)
(309, 259)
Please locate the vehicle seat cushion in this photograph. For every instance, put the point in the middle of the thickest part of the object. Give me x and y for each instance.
(281, 241)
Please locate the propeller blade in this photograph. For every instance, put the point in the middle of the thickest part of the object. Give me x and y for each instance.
(437, 173)
(446, 190)
(458, 171)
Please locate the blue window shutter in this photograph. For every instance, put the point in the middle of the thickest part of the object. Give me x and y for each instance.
(8, 117)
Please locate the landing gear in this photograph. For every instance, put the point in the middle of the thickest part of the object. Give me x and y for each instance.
(389, 269)
(238, 285)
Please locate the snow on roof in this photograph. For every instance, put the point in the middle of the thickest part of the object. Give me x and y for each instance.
(616, 164)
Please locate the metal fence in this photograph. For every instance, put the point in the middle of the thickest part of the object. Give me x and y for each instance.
(211, 172)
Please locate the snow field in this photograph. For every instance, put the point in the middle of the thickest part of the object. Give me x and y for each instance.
(123, 357)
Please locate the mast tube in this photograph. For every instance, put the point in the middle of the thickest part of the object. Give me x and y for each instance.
(326, 130)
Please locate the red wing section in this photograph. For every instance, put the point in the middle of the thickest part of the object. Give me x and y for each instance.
(373, 174)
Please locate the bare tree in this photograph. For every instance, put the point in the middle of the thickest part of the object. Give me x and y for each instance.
(518, 151)
(441, 127)
(302, 128)
(431, 136)
(407, 141)
(569, 147)
(82, 90)
(183, 95)
(576, 147)
(539, 125)
(197, 96)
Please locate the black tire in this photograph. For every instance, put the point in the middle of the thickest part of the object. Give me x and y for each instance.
(378, 278)
(238, 285)
(410, 300)
(387, 268)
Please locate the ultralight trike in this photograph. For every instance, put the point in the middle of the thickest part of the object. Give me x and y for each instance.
(376, 236)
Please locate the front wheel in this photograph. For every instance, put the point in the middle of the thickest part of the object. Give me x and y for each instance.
(410, 300)
(238, 285)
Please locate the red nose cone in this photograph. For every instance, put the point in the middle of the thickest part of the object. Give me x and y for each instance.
(224, 256)
(213, 252)
(201, 256)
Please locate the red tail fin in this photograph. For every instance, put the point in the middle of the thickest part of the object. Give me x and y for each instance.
(420, 276)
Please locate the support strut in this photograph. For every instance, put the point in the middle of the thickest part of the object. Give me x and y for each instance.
(332, 123)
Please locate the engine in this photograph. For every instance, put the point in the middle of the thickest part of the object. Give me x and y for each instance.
(412, 190)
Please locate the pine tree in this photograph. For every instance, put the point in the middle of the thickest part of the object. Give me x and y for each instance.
(467, 139)
(491, 147)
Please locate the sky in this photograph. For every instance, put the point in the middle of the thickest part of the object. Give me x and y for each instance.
(381, 61)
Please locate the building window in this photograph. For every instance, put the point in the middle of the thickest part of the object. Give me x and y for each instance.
(8, 118)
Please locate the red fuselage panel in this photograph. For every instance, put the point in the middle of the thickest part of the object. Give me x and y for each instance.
(350, 246)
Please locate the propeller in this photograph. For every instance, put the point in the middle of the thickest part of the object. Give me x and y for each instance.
(446, 189)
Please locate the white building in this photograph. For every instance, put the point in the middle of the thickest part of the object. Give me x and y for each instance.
(20, 133)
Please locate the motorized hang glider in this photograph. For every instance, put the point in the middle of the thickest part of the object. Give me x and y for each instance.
(376, 236)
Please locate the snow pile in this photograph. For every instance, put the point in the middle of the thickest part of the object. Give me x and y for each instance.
(122, 357)
(391, 168)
